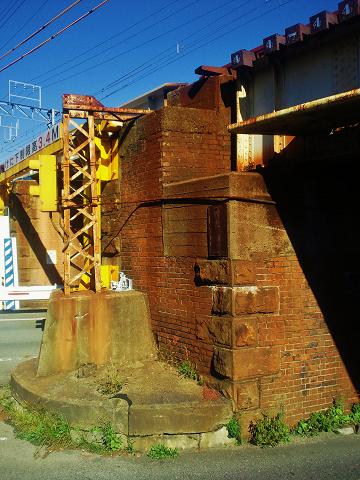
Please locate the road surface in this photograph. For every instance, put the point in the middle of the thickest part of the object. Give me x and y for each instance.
(327, 457)
(20, 337)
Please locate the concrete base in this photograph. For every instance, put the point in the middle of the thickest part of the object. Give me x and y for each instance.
(87, 327)
(155, 405)
(86, 334)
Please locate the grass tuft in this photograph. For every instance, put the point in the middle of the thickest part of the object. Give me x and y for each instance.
(188, 370)
(269, 431)
(234, 430)
(50, 430)
(160, 451)
(111, 382)
(328, 421)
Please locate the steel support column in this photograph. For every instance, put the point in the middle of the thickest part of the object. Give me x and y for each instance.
(80, 206)
(81, 196)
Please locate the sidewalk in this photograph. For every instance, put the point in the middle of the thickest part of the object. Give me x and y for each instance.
(326, 457)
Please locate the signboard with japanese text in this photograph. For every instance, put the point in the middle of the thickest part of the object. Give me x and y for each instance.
(40, 142)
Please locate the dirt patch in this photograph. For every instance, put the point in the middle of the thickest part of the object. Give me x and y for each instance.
(3, 415)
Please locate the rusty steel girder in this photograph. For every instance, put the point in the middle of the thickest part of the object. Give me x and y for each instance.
(81, 195)
(317, 116)
(79, 106)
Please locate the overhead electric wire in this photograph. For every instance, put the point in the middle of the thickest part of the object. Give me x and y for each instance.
(54, 36)
(8, 10)
(24, 25)
(160, 67)
(114, 82)
(143, 43)
(177, 56)
(47, 24)
(91, 49)
(140, 32)
(5, 13)
(12, 13)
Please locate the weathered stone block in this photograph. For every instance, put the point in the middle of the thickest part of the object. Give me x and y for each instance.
(212, 272)
(256, 229)
(245, 331)
(243, 272)
(219, 438)
(245, 300)
(220, 329)
(233, 332)
(180, 418)
(256, 300)
(246, 362)
(246, 417)
(181, 442)
(246, 395)
(222, 300)
(224, 272)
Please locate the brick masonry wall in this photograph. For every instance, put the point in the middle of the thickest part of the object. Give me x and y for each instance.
(174, 144)
(35, 235)
(272, 323)
(252, 322)
(311, 372)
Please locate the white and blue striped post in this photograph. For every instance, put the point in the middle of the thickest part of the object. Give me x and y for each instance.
(9, 278)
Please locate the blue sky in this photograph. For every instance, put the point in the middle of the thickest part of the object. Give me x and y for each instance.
(126, 48)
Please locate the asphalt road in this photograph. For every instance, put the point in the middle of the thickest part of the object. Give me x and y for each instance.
(322, 458)
(20, 338)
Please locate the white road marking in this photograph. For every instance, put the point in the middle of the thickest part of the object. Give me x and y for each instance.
(16, 359)
(34, 319)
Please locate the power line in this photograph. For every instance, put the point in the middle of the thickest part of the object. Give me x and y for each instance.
(53, 36)
(32, 35)
(114, 82)
(140, 32)
(160, 67)
(171, 55)
(24, 24)
(16, 8)
(143, 43)
(91, 49)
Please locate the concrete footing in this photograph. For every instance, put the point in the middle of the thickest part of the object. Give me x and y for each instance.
(155, 405)
(87, 327)
(86, 334)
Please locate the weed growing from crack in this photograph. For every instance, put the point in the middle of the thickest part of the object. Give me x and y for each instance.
(269, 431)
(111, 382)
(185, 368)
(102, 440)
(234, 430)
(328, 421)
(160, 451)
(112, 442)
(37, 426)
(355, 414)
(130, 449)
(52, 431)
(188, 370)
